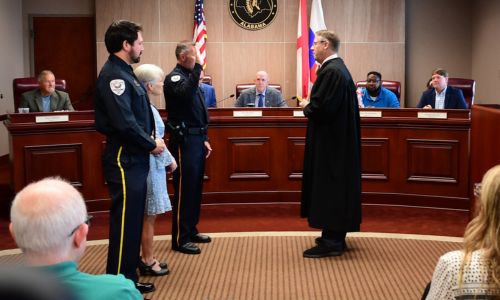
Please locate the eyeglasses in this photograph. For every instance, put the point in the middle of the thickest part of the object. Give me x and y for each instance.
(317, 42)
(477, 190)
(87, 221)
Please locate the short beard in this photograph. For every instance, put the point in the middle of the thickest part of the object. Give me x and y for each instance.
(135, 60)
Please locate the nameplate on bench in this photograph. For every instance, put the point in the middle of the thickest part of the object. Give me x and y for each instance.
(298, 113)
(50, 119)
(247, 113)
(370, 114)
(432, 115)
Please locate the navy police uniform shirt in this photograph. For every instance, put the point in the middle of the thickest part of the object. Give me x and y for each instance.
(183, 97)
(122, 108)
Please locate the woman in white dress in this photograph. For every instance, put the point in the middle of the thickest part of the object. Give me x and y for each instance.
(157, 200)
(474, 272)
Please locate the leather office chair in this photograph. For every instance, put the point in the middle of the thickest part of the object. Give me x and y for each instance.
(243, 86)
(21, 85)
(468, 87)
(393, 86)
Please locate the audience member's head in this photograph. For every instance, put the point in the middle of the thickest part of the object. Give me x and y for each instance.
(439, 79)
(261, 81)
(483, 231)
(325, 44)
(373, 81)
(152, 77)
(124, 39)
(49, 222)
(46, 82)
(185, 52)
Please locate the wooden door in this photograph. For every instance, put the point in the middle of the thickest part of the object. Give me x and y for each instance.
(66, 46)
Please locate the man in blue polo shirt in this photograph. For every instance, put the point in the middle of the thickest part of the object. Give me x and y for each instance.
(374, 95)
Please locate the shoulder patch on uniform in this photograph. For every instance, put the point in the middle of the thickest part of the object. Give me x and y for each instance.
(117, 86)
(175, 78)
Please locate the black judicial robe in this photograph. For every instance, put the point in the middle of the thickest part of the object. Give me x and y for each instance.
(331, 182)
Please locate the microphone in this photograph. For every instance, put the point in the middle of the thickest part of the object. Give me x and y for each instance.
(230, 96)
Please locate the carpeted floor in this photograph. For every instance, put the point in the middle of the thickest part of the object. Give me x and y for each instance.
(269, 265)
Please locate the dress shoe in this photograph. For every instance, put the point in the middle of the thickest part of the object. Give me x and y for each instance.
(201, 238)
(145, 287)
(320, 251)
(187, 248)
(147, 270)
(319, 240)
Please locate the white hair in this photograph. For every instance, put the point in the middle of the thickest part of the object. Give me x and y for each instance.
(44, 213)
(148, 73)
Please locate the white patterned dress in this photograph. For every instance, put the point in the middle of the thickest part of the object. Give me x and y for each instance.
(157, 200)
(475, 283)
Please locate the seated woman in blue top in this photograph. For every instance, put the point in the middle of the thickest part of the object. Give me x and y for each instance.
(442, 96)
(374, 95)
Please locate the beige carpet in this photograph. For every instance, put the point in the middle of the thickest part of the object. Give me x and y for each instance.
(271, 266)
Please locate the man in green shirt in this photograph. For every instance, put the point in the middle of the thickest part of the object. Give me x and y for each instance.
(49, 223)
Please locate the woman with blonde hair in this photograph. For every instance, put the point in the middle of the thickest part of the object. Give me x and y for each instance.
(474, 272)
(157, 200)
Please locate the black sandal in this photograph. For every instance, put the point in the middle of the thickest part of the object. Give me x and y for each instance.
(146, 270)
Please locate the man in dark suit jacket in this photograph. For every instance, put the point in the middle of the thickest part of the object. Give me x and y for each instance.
(442, 96)
(261, 95)
(46, 98)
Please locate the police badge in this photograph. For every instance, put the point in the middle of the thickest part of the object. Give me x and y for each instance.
(253, 14)
(117, 86)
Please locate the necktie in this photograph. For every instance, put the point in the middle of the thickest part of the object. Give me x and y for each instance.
(261, 100)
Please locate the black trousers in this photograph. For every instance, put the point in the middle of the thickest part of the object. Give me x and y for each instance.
(334, 238)
(188, 185)
(125, 174)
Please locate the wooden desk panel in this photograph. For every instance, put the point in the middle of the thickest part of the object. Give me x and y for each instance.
(406, 160)
(485, 143)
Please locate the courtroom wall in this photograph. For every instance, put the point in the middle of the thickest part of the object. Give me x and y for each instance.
(12, 60)
(438, 34)
(486, 50)
(372, 34)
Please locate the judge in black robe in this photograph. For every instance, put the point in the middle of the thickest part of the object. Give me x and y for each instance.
(331, 182)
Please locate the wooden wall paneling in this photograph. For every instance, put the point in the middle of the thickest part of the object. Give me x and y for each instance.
(375, 158)
(214, 11)
(144, 12)
(249, 157)
(485, 145)
(176, 20)
(295, 157)
(65, 160)
(375, 21)
(432, 160)
(447, 148)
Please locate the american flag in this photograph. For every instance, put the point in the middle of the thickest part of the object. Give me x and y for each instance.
(200, 31)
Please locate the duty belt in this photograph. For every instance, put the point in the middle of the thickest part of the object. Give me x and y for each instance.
(197, 130)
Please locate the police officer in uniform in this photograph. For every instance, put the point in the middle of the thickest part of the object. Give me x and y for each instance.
(188, 143)
(123, 114)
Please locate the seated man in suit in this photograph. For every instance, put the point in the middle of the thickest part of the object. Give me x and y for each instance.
(261, 95)
(46, 98)
(49, 223)
(208, 92)
(374, 95)
(442, 96)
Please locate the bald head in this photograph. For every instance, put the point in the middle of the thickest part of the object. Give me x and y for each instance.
(43, 215)
(261, 81)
